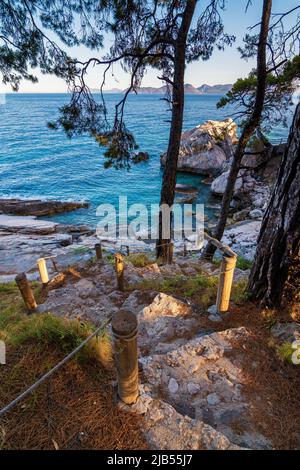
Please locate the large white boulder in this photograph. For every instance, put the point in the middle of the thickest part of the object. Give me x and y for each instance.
(206, 148)
(218, 186)
(242, 237)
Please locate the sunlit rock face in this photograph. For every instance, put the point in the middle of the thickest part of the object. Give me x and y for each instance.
(206, 148)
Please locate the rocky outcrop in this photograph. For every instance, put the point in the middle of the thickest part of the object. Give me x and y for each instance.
(218, 185)
(256, 178)
(167, 429)
(186, 189)
(191, 395)
(37, 207)
(192, 377)
(202, 382)
(20, 252)
(28, 225)
(286, 332)
(25, 239)
(206, 148)
(242, 237)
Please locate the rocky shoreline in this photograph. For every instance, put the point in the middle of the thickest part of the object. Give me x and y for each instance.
(23, 240)
(206, 150)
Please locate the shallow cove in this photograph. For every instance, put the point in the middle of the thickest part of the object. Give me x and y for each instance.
(36, 162)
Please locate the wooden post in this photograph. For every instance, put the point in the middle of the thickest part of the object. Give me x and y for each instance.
(225, 283)
(98, 249)
(124, 328)
(184, 251)
(55, 265)
(119, 270)
(226, 250)
(125, 247)
(26, 292)
(170, 252)
(41, 262)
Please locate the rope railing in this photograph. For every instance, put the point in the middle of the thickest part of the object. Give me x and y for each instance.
(54, 369)
(224, 289)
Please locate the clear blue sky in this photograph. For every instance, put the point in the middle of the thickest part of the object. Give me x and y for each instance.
(223, 67)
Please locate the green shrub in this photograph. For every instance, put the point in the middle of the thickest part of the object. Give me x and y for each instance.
(12, 307)
(243, 263)
(140, 260)
(110, 258)
(47, 329)
(286, 351)
(201, 288)
(81, 250)
(239, 291)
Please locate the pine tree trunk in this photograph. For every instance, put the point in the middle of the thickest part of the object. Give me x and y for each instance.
(169, 177)
(278, 247)
(248, 130)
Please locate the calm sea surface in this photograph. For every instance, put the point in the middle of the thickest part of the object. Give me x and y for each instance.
(38, 162)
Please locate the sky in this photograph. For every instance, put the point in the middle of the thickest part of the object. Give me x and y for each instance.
(223, 67)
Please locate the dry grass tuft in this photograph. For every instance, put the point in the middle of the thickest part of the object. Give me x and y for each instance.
(272, 386)
(75, 409)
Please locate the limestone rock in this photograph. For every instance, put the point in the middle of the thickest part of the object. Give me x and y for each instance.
(138, 300)
(213, 399)
(164, 324)
(206, 148)
(242, 237)
(218, 186)
(165, 305)
(86, 288)
(193, 389)
(166, 429)
(19, 252)
(241, 215)
(37, 207)
(28, 225)
(173, 386)
(286, 331)
(186, 189)
(216, 382)
(256, 214)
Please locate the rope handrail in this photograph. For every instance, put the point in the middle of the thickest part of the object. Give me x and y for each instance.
(224, 248)
(54, 369)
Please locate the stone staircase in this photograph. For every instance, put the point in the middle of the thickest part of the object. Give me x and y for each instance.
(191, 377)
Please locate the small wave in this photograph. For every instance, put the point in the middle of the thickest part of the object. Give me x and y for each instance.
(41, 197)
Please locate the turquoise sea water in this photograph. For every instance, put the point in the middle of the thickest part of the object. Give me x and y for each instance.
(36, 162)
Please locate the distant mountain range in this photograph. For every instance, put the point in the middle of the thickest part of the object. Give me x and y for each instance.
(189, 90)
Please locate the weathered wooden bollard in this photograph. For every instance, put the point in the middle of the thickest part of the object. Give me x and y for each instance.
(26, 292)
(119, 265)
(225, 283)
(184, 251)
(41, 262)
(98, 249)
(124, 328)
(170, 252)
